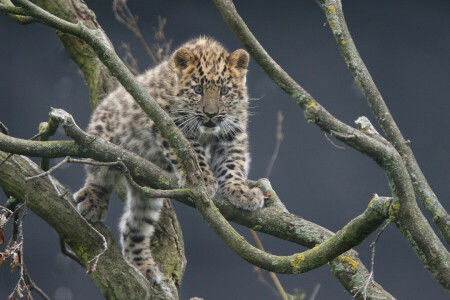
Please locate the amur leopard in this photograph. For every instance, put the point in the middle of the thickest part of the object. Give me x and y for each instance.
(203, 88)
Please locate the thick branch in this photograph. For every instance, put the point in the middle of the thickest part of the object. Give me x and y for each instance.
(168, 247)
(271, 220)
(335, 17)
(98, 78)
(60, 214)
(410, 220)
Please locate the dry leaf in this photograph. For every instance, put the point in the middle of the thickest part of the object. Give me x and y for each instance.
(19, 290)
(15, 261)
(3, 257)
(2, 237)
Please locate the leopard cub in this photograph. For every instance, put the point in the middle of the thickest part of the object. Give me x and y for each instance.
(203, 88)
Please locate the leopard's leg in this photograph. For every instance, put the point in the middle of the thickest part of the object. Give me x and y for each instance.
(93, 198)
(137, 226)
(230, 165)
(208, 175)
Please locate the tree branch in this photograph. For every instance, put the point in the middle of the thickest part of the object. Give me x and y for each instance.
(270, 220)
(98, 78)
(354, 232)
(335, 17)
(409, 219)
(60, 214)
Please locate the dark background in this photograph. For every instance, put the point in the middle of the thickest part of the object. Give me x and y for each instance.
(405, 45)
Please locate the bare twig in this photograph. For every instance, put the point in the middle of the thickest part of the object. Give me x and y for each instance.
(32, 285)
(342, 136)
(129, 60)
(370, 279)
(49, 171)
(259, 275)
(278, 140)
(331, 142)
(314, 292)
(274, 277)
(162, 46)
(150, 193)
(124, 16)
(14, 250)
(93, 262)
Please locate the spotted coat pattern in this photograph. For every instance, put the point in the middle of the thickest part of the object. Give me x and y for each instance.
(203, 88)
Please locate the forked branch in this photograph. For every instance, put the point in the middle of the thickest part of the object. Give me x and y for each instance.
(409, 219)
(336, 21)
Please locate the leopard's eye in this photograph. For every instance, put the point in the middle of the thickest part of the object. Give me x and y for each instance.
(198, 89)
(224, 90)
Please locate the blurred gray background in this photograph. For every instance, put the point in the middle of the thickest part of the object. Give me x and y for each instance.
(405, 45)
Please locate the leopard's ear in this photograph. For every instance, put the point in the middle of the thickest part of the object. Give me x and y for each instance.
(239, 59)
(182, 58)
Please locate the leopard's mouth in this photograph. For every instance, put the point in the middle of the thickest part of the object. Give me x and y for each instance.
(209, 127)
(210, 124)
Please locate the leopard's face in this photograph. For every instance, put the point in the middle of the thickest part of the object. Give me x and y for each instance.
(211, 91)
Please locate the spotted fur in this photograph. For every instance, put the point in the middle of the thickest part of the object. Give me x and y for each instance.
(203, 88)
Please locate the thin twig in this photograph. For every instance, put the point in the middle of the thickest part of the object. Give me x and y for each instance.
(124, 16)
(342, 136)
(278, 139)
(331, 142)
(363, 289)
(261, 278)
(93, 262)
(272, 275)
(46, 173)
(129, 60)
(314, 292)
(32, 285)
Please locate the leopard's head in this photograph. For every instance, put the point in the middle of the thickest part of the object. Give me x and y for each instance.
(211, 90)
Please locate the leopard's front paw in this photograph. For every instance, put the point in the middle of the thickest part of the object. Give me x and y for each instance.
(245, 198)
(92, 202)
(211, 184)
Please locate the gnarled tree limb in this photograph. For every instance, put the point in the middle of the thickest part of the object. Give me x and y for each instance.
(335, 17)
(409, 219)
(274, 220)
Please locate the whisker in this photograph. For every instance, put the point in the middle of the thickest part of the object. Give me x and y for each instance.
(256, 99)
(187, 121)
